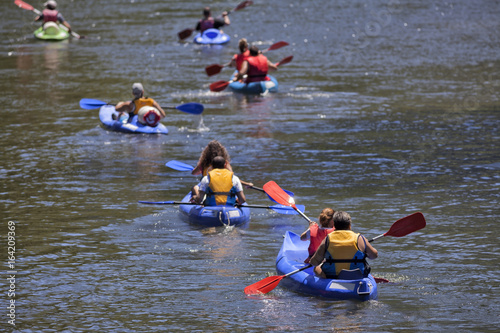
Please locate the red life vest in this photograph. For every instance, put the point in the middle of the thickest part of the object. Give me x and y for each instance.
(317, 235)
(257, 69)
(49, 15)
(206, 24)
(239, 58)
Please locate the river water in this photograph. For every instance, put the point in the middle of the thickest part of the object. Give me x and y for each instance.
(388, 108)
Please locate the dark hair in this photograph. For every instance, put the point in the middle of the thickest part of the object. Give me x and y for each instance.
(254, 50)
(341, 220)
(219, 162)
(206, 11)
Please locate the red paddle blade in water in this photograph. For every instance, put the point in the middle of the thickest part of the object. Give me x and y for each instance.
(264, 286)
(407, 225)
(219, 85)
(185, 33)
(278, 194)
(213, 69)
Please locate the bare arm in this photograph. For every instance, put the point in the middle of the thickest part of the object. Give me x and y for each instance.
(371, 252)
(243, 70)
(156, 105)
(271, 66)
(225, 16)
(241, 197)
(125, 106)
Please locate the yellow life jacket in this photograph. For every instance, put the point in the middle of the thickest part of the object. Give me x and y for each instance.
(220, 187)
(343, 253)
(140, 102)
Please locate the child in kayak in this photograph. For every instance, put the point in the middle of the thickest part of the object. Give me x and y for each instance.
(316, 233)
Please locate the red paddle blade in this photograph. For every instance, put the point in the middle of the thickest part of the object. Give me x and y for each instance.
(213, 69)
(264, 286)
(278, 194)
(219, 85)
(185, 33)
(243, 5)
(381, 280)
(407, 225)
(285, 61)
(277, 45)
(23, 5)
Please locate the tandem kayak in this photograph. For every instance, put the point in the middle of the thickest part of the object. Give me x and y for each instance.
(133, 126)
(214, 216)
(52, 32)
(291, 258)
(211, 36)
(255, 88)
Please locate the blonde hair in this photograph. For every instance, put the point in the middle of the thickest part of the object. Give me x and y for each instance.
(325, 217)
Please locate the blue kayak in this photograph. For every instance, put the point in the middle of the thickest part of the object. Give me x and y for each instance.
(214, 216)
(291, 257)
(211, 36)
(255, 88)
(133, 126)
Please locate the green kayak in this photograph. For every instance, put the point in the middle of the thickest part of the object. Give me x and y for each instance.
(53, 32)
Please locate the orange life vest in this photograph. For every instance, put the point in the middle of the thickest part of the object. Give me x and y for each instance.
(140, 102)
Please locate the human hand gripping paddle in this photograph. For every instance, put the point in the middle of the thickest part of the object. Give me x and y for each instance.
(187, 32)
(400, 228)
(216, 69)
(221, 85)
(180, 166)
(193, 108)
(27, 6)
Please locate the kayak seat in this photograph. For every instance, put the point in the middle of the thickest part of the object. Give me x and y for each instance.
(211, 34)
(352, 274)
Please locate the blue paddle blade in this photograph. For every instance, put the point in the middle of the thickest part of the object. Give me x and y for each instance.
(89, 104)
(179, 166)
(287, 210)
(193, 108)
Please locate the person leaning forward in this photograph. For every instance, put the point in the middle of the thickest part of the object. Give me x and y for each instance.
(342, 250)
(221, 186)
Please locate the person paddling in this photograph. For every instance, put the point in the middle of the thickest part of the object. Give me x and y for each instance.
(316, 233)
(208, 22)
(213, 149)
(221, 186)
(148, 111)
(343, 250)
(50, 16)
(239, 58)
(255, 67)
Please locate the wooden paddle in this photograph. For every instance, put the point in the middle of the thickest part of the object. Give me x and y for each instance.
(221, 85)
(216, 68)
(187, 32)
(193, 108)
(402, 227)
(27, 6)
